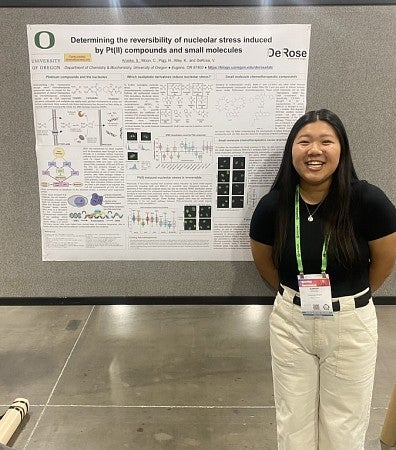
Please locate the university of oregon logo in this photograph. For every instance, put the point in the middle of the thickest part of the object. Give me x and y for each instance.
(44, 39)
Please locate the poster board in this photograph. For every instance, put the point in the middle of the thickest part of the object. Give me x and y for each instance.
(351, 71)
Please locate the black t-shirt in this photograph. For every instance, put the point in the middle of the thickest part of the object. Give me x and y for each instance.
(373, 217)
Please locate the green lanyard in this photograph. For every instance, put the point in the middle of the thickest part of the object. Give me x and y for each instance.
(298, 236)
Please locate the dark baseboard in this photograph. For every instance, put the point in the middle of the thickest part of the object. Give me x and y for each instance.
(177, 300)
(182, 3)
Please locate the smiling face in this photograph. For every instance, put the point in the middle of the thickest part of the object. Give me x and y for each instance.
(316, 153)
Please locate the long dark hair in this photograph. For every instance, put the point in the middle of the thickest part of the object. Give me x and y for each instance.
(336, 209)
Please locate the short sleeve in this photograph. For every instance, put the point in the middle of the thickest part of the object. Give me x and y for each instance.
(378, 214)
(262, 225)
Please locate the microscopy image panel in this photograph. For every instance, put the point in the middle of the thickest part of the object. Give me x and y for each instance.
(223, 189)
(190, 211)
(238, 162)
(238, 176)
(132, 156)
(132, 136)
(205, 211)
(237, 202)
(223, 176)
(223, 202)
(190, 224)
(223, 163)
(205, 224)
(238, 188)
(145, 136)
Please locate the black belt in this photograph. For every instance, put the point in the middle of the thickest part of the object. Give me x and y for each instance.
(360, 301)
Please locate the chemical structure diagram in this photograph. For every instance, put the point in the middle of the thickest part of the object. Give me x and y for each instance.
(179, 150)
(99, 91)
(84, 127)
(184, 103)
(152, 221)
(60, 171)
(253, 108)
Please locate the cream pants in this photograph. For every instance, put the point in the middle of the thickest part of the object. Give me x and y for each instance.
(323, 371)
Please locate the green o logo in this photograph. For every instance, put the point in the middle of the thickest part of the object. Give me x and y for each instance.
(49, 37)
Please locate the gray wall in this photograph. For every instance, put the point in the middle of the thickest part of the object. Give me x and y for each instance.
(351, 71)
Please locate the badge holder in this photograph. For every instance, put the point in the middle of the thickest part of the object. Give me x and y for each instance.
(315, 294)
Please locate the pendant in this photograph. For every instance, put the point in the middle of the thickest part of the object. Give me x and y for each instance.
(310, 219)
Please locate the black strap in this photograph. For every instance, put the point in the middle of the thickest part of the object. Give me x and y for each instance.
(360, 301)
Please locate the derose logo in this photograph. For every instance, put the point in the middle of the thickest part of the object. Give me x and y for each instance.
(288, 52)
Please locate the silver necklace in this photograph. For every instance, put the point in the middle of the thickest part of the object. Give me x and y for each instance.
(311, 214)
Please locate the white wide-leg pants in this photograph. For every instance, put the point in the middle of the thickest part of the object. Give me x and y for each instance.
(323, 372)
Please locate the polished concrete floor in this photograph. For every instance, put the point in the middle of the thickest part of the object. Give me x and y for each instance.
(153, 377)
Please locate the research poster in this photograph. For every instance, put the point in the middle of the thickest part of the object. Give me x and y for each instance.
(155, 142)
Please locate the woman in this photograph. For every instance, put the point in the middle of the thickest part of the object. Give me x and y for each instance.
(324, 240)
